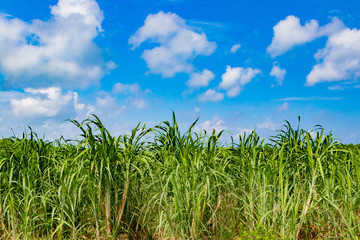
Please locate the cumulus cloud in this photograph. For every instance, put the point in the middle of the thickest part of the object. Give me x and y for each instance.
(179, 44)
(235, 47)
(278, 73)
(47, 102)
(200, 79)
(339, 60)
(211, 95)
(234, 79)
(58, 51)
(46, 110)
(289, 33)
(216, 124)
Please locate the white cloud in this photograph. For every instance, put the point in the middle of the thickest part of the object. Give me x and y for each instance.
(54, 129)
(278, 73)
(339, 60)
(179, 44)
(235, 47)
(158, 27)
(110, 65)
(51, 129)
(5, 96)
(336, 87)
(77, 105)
(133, 88)
(211, 95)
(200, 79)
(283, 107)
(90, 110)
(139, 103)
(268, 125)
(317, 98)
(216, 124)
(241, 131)
(107, 106)
(234, 79)
(58, 51)
(313, 134)
(289, 33)
(46, 110)
(336, 25)
(105, 100)
(47, 102)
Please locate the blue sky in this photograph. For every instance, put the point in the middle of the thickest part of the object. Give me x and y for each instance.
(237, 65)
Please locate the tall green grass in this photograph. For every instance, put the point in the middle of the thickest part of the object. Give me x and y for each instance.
(160, 183)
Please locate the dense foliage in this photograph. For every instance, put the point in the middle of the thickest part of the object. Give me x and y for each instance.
(161, 184)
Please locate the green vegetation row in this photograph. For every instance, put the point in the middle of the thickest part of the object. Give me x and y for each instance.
(159, 183)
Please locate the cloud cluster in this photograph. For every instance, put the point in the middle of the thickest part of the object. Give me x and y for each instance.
(289, 33)
(47, 102)
(54, 104)
(339, 60)
(234, 79)
(178, 43)
(46, 110)
(59, 51)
